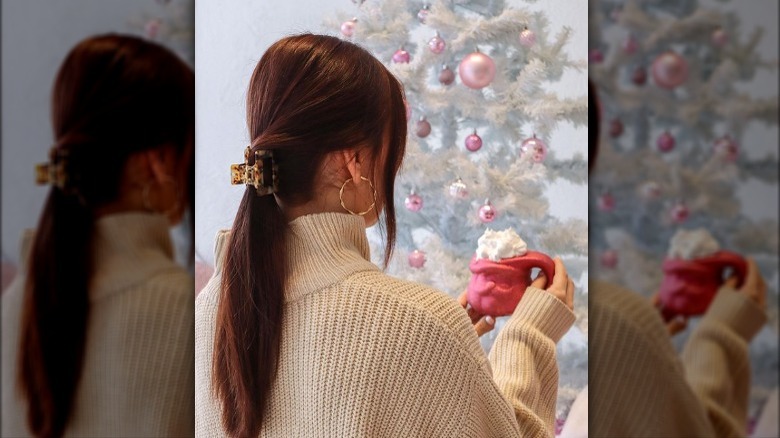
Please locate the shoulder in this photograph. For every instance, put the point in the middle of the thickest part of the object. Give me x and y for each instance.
(173, 286)
(618, 315)
(431, 315)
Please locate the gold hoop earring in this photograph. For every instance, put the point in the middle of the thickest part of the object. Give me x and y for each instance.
(148, 204)
(370, 207)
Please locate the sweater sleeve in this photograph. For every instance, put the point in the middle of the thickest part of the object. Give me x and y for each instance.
(524, 363)
(716, 360)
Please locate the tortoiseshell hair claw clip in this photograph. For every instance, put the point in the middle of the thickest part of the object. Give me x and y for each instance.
(54, 171)
(261, 174)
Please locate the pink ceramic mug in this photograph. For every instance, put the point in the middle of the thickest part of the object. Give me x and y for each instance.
(689, 286)
(495, 288)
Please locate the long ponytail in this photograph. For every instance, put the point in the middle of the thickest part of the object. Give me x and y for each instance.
(54, 319)
(253, 308)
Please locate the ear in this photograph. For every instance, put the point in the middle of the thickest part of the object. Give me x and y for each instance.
(353, 165)
(157, 165)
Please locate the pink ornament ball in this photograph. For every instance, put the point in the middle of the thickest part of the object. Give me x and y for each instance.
(726, 148)
(401, 56)
(609, 258)
(417, 259)
(437, 44)
(606, 202)
(534, 148)
(422, 15)
(473, 142)
(446, 76)
(152, 28)
(413, 202)
(348, 27)
(679, 213)
(630, 45)
(665, 142)
(615, 128)
(527, 38)
(423, 128)
(477, 70)
(639, 77)
(458, 189)
(487, 213)
(559, 422)
(719, 38)
(669, 70)
(595, 56)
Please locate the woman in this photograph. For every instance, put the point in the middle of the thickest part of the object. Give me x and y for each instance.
(98, 327)
(298, 333)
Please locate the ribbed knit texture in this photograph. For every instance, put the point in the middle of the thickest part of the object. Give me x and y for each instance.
(367, 355)
(137, 378)
(638, 385)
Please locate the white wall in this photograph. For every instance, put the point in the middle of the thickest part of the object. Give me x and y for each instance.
(230, 41)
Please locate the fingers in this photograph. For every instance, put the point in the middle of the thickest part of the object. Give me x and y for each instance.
(540, 281)
(656, 299)
(570, 294)
(462, 300)
(754, 286)
(676, 325)
(732, 282)
(484, 325)
(753, 276)
(560, 279)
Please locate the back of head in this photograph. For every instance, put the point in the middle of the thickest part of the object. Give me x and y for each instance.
(114, 96)
(309, 96)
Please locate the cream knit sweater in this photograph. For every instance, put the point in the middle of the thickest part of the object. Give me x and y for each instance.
(137, 378)
(367, 355)
(639, 387)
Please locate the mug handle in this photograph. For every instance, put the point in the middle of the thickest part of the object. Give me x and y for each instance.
(543, 262)
(735, 261)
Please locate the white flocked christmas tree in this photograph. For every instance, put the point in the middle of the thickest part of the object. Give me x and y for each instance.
(465, 143)
(170, 23)
(681, 138)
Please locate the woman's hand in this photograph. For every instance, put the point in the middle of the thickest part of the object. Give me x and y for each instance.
(754, 287)
(562, 286)
(482, 323)
(674, 325)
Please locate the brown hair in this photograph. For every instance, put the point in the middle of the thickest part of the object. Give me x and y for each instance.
(113, 96)
(594, 124)
(309, 95)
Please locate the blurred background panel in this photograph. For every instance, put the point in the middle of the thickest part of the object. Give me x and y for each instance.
(689, 140)
(36, 36)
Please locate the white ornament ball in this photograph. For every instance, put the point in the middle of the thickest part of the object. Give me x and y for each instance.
(527, 37)
(348, 27)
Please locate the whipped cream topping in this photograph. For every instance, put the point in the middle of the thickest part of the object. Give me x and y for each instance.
(692, 244)
(497, 245)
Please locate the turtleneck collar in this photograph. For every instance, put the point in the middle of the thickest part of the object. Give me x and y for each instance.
(322, 249)
(129, 248)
